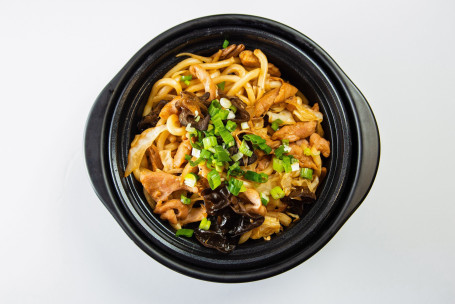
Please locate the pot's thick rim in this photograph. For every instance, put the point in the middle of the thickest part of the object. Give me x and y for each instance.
(106, 192)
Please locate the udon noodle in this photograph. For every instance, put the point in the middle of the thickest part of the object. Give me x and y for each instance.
(227, 149)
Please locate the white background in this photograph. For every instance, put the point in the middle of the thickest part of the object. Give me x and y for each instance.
(58, 244)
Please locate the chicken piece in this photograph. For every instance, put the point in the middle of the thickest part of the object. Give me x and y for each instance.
(170, 108)
(304, 160)
(263, 163)
(295, 132)
(166, 160)
(154, 158)
(200, 73)
(161, 185)
(256, 204)
(183, 150)
(276, 95)
(171, 210)
(195, 215)
(321, 144)
(248, 59)
(265, 102)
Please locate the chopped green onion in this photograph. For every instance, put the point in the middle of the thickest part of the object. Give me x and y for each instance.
(285, 142)
(205, 154)
(231, 115)
(214, 179)
(214, 107)
(280, 151)
(220, 114)
(256, 177)
(235, 186)
(307, 151)
(209, 127)
(278, 165)
(237, 156)
(205, 224)
(209, 142)
(218, 124)
(235, 170)
(221, 85)
(244, 149)
(190, 179)
(295, 166)
(276, 124)
(184, 232)
(287, 164)
(221, 154)
(187, 157)
(196, 152)
(233, 109)
(264, 199)
(197, 118)
(306, 173)
(266, 148)
(186, 78)
(277, 192)
(185, 200)
(255, 139)
(227, 138)
(231, 126)
(225, 44)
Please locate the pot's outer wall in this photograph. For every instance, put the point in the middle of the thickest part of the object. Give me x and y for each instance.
(364, 142)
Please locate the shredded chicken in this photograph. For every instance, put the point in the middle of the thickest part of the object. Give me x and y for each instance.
(295, 132)
(201, 74)
(250, 60)
(321, 144)
(170, 108)
(304, 160)
(276, 95)
(171, 210)
(183, 149)
(154, 158)
(256, 204)
(161, 185)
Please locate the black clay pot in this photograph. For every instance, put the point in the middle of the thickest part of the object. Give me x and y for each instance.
(349, 124)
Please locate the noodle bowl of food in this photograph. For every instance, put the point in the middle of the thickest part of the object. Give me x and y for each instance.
(231, 152)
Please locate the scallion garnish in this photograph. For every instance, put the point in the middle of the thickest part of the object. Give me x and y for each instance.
(184, 232)
(256, 177)
(205, 154)
(185, 200)
(306, 173)
(221, 85)
(209, 142)
(186, 79)
(190, 179)
(231, 126)
(264, 199)
(221, 154)
(235, 170)
(235, 186)
(227, 138)
(287, 164)
(277, 192)
(277, 165)
(237, 156)
(307, 151)
(204, 224)
(244, 149)
(280, 151)
(221, 114)
(225, 43)
(214, 179)
(276, 124)
(214, 107)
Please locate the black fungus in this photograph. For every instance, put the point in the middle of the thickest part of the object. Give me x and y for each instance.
(150, 120)
(186, 117)
(298, 200)
(229, 220)
(217, 199)
(241, 115)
